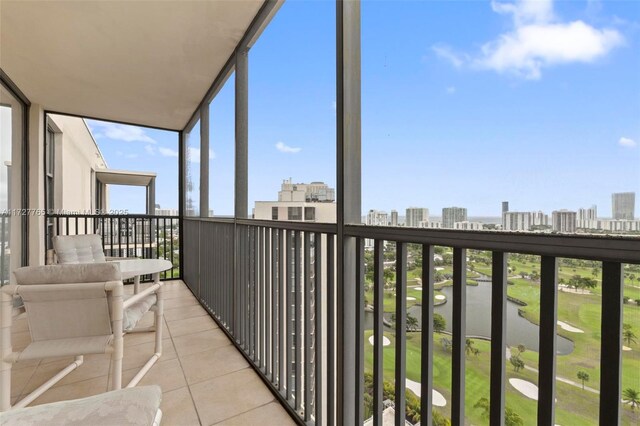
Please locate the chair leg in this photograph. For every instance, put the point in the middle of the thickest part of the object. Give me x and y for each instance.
(49, 383)
(159, 315)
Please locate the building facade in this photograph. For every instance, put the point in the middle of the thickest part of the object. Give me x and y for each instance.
(394, 218)
(468, 226)
(451, 215)
(299, 202)
(623, 205)
(415, 215)
(563, 221)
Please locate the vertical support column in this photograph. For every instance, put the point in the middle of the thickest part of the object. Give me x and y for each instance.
(426, 361)
(459, 331)
(181, 201)
(204, 160)
(242, 134)
(498, 335)
(547, 357)
(401, 333)
(611, 343)
(349, 199)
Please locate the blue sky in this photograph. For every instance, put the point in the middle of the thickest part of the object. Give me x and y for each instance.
(464, 103)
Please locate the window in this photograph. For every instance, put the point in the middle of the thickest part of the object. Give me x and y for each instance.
(310, 214)
(294, 213)
(274, 213)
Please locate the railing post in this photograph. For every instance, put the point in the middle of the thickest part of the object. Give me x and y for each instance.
(547, 339)
(611, 343)
(498, 336)
(204, 160)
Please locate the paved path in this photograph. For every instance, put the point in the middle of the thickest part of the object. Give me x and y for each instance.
(560, 379)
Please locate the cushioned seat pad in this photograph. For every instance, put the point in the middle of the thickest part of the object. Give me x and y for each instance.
(135, 312)
(133, 406)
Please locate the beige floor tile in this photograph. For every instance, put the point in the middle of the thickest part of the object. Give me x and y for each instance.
(177, 314)
(179, 302)
(191, 325)
(177, 293)
(132, 339)
(73, 391)
(166, 374)
(136, 356)
(178, 408)
(206, 365)
(271, 414)
(91, 368)
(199, 342)
(227, 396)
(20, 324)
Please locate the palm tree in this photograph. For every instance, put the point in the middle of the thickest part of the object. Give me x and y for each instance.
(631, 397)
(584, 376)
(628, 335)
(469, 346)
(412, 322)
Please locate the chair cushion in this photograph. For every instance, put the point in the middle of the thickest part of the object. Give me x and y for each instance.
(135, 312)
(79, 248)
(132, 406)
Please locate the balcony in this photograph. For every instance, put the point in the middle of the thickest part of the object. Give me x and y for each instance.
(299, 322)
(193, 392)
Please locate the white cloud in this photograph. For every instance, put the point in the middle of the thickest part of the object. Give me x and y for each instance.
(150, 149)
(167, 152)
(131, 156)
(451, 90)
(120, 132)
(280, 146)
(446, 53)
(538, 40)
(193, 155)
(627, 142)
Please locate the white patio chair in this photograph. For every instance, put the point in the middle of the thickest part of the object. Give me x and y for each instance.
(131, 407)
(74, 310)
(84, 248)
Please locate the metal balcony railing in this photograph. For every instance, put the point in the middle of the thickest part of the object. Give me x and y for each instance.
(272, 287)
(141, 236)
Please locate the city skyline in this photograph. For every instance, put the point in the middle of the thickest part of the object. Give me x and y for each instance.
(571, 133)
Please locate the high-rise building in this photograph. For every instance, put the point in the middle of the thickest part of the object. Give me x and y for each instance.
(394, 218)
(587, 217)
(377, 218)
(415, 215)
(563, 221)
(623, 205)
(468, 226)
(505, 207)
(451, 215)
(517, 221)
(300, 202)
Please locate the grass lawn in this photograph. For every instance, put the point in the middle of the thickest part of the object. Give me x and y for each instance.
(574, 406)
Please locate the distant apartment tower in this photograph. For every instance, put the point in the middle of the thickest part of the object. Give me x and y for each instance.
(394, 218)
(314, 192)
(468, 226)
(564, 221)
(505, 207)
(623, 205)
(415, 215)
(587, 217)
(451, 215)
(517, 221)
(377, 218)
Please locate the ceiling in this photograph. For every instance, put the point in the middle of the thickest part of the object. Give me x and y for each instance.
(141, 62)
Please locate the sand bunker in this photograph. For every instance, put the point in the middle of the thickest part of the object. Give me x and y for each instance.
(439, 268)
(418, 288)
(437, 399)
(528, 389)
(385, 341)
(411, 298)
(440, 297)
(626, 348)
(569, 328)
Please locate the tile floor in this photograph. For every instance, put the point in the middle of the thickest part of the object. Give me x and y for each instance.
(204, 379)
